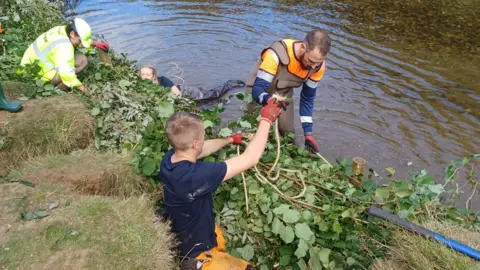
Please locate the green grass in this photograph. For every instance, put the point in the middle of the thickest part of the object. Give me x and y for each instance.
(410, 251)
(91, 232)
(85, 171)
(54, 125)
(13, 89)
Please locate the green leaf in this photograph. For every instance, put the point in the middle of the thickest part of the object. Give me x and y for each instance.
(98, 76)
(49, 87)
(325, 168)
(285, 260)
(383, 193)
(351, 261)
(306, 215)
(291, 216)
(247, 252)
(285, 250)
(16, 17)
(346, 213)
(33, 215)
(165, 109)
(277, 226)
(403, 213)
(302, 249)
(302, 265)
(95, 111)
(39, 82)
(245, 124)
(234, 190)
(303, 231)
(149, 167)
(26, 183)
(124, 83)
(324, 255)
(403, 193)
(269, 217)
(350, 192)
(287, 234)
(437, 189)
(225, 132)
(323, 227)
(390, 170)
(254, 188)
(310, 198)
(257, 229)
(314, 261)
(336, 227)
(281, 209)
(207, 124)
(476, 156)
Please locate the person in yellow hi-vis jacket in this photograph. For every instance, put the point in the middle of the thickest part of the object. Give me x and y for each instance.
(55, 52)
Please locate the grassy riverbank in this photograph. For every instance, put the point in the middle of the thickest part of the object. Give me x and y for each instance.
(79, 189)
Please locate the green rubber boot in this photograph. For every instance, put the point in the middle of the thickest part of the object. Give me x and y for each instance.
(7, 105)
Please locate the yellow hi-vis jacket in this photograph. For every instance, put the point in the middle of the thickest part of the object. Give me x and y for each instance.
(55, 55)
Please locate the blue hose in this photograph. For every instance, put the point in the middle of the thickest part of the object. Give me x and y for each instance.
(462, 248)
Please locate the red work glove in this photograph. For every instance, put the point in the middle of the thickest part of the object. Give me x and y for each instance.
(237, 139)
(101, 45)
(271, 111)
(310, 144)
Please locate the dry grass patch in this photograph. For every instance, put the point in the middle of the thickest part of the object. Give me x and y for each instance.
(83, 232)
(54, 125)
(85, 171)
(410, 251)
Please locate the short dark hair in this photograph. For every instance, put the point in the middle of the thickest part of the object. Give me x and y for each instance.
(70, 28)
(318, 38)
(182, 129)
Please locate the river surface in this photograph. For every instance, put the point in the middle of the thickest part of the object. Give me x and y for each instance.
(402, 86)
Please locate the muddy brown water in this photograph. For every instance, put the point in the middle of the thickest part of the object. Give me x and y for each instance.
(403, 79)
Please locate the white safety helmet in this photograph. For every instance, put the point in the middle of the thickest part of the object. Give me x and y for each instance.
(84, 31)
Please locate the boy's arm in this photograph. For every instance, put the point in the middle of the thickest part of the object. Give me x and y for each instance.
(255, 149)
(212, 146)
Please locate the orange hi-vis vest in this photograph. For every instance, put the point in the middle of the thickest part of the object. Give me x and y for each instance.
(288, 73)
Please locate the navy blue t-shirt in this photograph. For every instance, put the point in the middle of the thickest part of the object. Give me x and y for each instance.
(187, 193)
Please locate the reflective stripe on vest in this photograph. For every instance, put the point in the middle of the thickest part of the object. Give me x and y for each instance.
(42, 55)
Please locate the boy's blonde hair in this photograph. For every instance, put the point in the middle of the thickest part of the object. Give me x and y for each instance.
(182, 129)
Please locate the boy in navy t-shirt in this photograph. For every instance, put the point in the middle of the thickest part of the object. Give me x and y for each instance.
(190, 183)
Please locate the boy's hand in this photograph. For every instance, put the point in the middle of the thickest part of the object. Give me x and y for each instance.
(271, 111)
(237, 139)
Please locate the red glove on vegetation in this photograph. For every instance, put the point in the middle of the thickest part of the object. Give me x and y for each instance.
(310, 144)
(101, 45)
(237, 139)
(271, 111)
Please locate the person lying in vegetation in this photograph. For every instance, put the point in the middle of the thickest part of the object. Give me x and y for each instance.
(197, 93)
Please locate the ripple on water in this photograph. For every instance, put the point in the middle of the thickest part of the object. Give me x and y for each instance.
(375, 101)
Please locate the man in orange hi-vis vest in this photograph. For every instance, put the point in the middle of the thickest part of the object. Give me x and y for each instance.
(288, 64)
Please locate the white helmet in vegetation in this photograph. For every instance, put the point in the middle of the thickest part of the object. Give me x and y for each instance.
(84, 31)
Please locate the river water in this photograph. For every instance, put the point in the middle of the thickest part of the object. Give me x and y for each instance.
(402, 81)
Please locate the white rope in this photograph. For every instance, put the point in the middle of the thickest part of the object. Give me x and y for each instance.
(176, 72)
